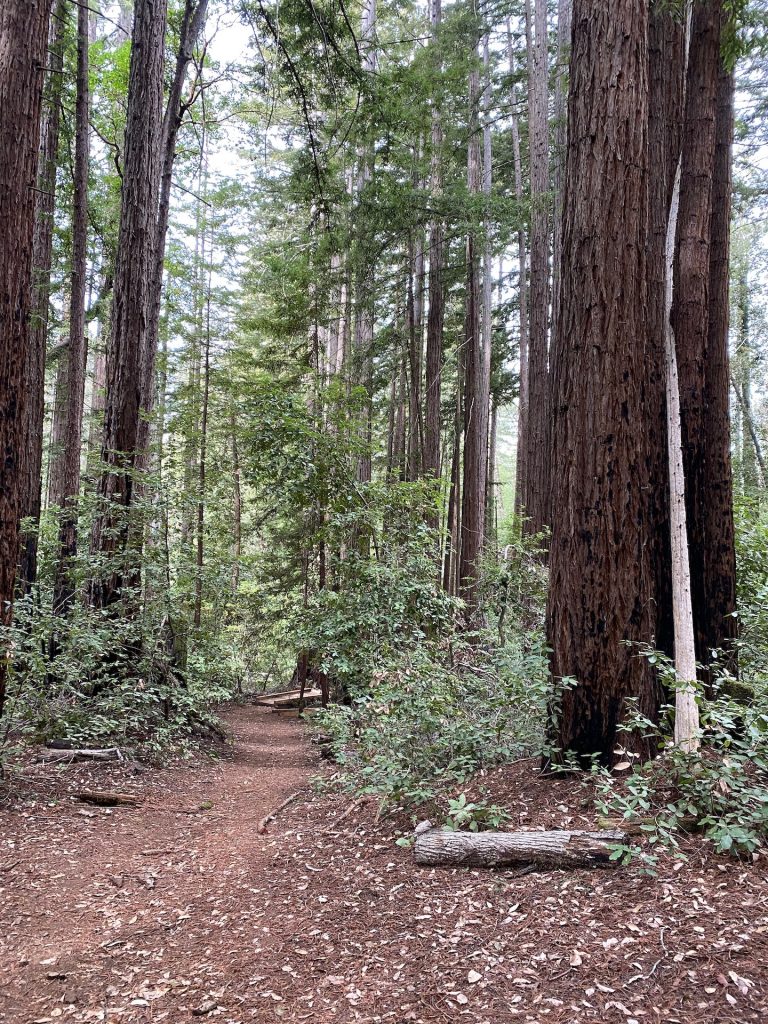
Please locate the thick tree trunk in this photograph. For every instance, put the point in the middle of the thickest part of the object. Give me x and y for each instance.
(31, 455)
(666, 83)
(77, 353)
(560, 144)
(601, 583)
(55, 491)
(192, 22)
(131, 305)
(536, 498)
(23, 39)
(720, 625)
(543, 850)
(690, 317)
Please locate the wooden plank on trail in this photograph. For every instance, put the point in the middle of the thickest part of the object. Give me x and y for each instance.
(288, 699)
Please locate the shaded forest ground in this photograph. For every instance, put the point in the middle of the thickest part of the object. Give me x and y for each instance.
(180, 910)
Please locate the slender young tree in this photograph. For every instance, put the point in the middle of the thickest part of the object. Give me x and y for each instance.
(601, 584)
(436, 314)
(23, 39)
(77, 350)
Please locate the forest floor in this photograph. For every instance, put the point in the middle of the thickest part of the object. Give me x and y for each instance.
(180, 910)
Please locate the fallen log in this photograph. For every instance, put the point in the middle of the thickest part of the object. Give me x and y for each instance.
(105, 799)
(68, 756)
(556, 849)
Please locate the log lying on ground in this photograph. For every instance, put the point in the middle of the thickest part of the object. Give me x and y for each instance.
(105, 799)
(67, 756)
(557, 849)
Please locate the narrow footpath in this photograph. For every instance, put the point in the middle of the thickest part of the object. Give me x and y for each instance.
(181, 910)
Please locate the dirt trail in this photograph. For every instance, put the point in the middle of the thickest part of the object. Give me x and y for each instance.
(109, 914)
(180, 911)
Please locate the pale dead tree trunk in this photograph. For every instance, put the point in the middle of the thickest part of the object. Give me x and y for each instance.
(475, 407)
(560, 142)
(31, 455)
(23, 38)
(131, 296)
(77, 352)
(686, 709)
(536, 498)
(522, 287)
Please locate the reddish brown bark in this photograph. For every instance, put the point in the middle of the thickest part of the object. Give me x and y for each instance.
(34, 369)
(718, 623)
(666, 83)
(690, 315)
(131, 303)
(535, 500)
(601, 582)
(23, 38)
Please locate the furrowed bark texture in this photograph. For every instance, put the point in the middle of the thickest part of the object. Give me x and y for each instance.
(536, 497)
(719, 623)
(666, 83)
(23, 39)
(690, 315)
(559, 849)
(601, 586)
(31, 454)
(131, 303)
(192, 22)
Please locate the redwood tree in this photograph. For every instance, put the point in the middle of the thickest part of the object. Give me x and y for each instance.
(23, 38)
(601, 583)
(132, 292)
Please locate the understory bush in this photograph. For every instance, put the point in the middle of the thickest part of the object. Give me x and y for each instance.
(434, 717)
(720, 792)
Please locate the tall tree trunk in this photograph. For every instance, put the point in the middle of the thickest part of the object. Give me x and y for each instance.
(77, 351)
(690, 315)
(23, 39)
(31, 455)
(521, 460)
(58, 428)
(475, 404)
(364, 297)
(719, 623)
(601, 585)
(434, 356)
(131, 304)
(536, 497)
(192, 22)
(666, 83)
(237, 505)
(560, 142)
(201, 483)
(415, 354)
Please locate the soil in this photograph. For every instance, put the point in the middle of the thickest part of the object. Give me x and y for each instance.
(180, 909)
